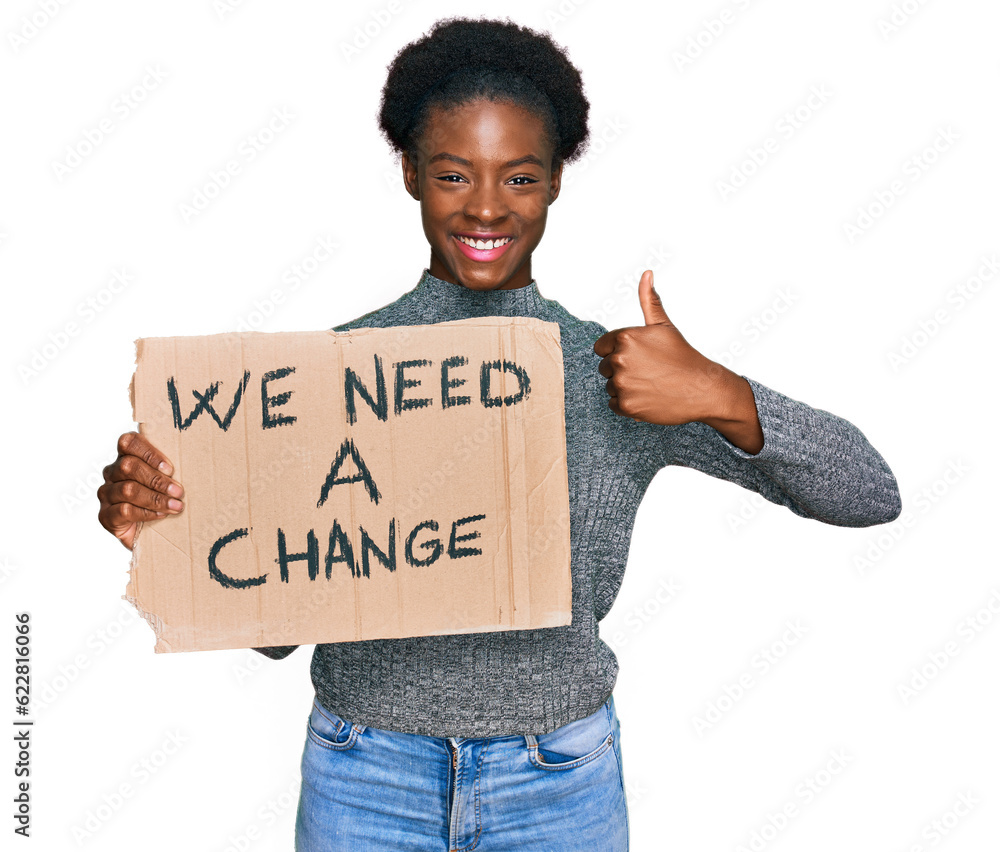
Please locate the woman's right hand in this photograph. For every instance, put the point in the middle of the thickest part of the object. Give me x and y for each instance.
(137, 487)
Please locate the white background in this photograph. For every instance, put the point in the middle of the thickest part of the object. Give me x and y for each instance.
(666, 134)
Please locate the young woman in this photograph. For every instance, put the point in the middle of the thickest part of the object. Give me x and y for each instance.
(509, 740)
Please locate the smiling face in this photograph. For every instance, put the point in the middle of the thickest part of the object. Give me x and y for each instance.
(483, 173)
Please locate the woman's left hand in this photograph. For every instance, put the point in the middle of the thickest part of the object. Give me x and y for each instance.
(655, 375)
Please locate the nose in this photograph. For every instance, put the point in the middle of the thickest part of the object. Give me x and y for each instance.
(486, 202)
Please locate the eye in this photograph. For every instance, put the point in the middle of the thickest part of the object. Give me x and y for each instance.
(524, 178)
(448, 178)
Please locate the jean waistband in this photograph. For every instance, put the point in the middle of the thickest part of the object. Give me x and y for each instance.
(605, 716)
(602, 717)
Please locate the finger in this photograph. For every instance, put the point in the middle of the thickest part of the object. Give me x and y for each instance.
(652, 307)
(123, 520)
(605, 344)
(605, 368)
(613, 404)
(118, 517)
(134, 468)
(133, 444)
(130, 492)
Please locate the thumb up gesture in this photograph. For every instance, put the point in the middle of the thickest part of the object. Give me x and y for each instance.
(655, 375)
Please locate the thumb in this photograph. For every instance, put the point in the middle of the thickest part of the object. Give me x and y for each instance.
(652, 307)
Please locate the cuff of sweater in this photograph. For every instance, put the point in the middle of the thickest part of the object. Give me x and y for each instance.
(780, 418)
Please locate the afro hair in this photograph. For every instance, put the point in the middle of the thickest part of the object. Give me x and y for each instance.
(463, 59)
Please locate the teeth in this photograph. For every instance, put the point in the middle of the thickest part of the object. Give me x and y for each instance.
(485, 245)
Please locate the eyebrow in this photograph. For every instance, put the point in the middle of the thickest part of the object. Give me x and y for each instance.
(520, 161)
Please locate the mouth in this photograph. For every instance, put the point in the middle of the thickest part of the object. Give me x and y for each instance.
(483, 247)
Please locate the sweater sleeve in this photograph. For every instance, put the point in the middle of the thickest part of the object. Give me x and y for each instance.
(276, 652)
(817, 464)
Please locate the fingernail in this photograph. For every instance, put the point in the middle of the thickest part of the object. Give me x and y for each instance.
(176, 505)
(174, 489)
(166, 468)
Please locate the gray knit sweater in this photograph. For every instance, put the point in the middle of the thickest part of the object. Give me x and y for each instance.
(532, 681)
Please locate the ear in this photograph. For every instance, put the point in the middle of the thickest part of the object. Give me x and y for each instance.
(555, 181)
(410, 179)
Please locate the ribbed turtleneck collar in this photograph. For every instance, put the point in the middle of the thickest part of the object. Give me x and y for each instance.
(520, 302)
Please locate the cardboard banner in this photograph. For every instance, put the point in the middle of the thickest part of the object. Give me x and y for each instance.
(365, 484)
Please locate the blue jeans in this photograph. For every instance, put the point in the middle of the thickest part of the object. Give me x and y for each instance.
(368, 789)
